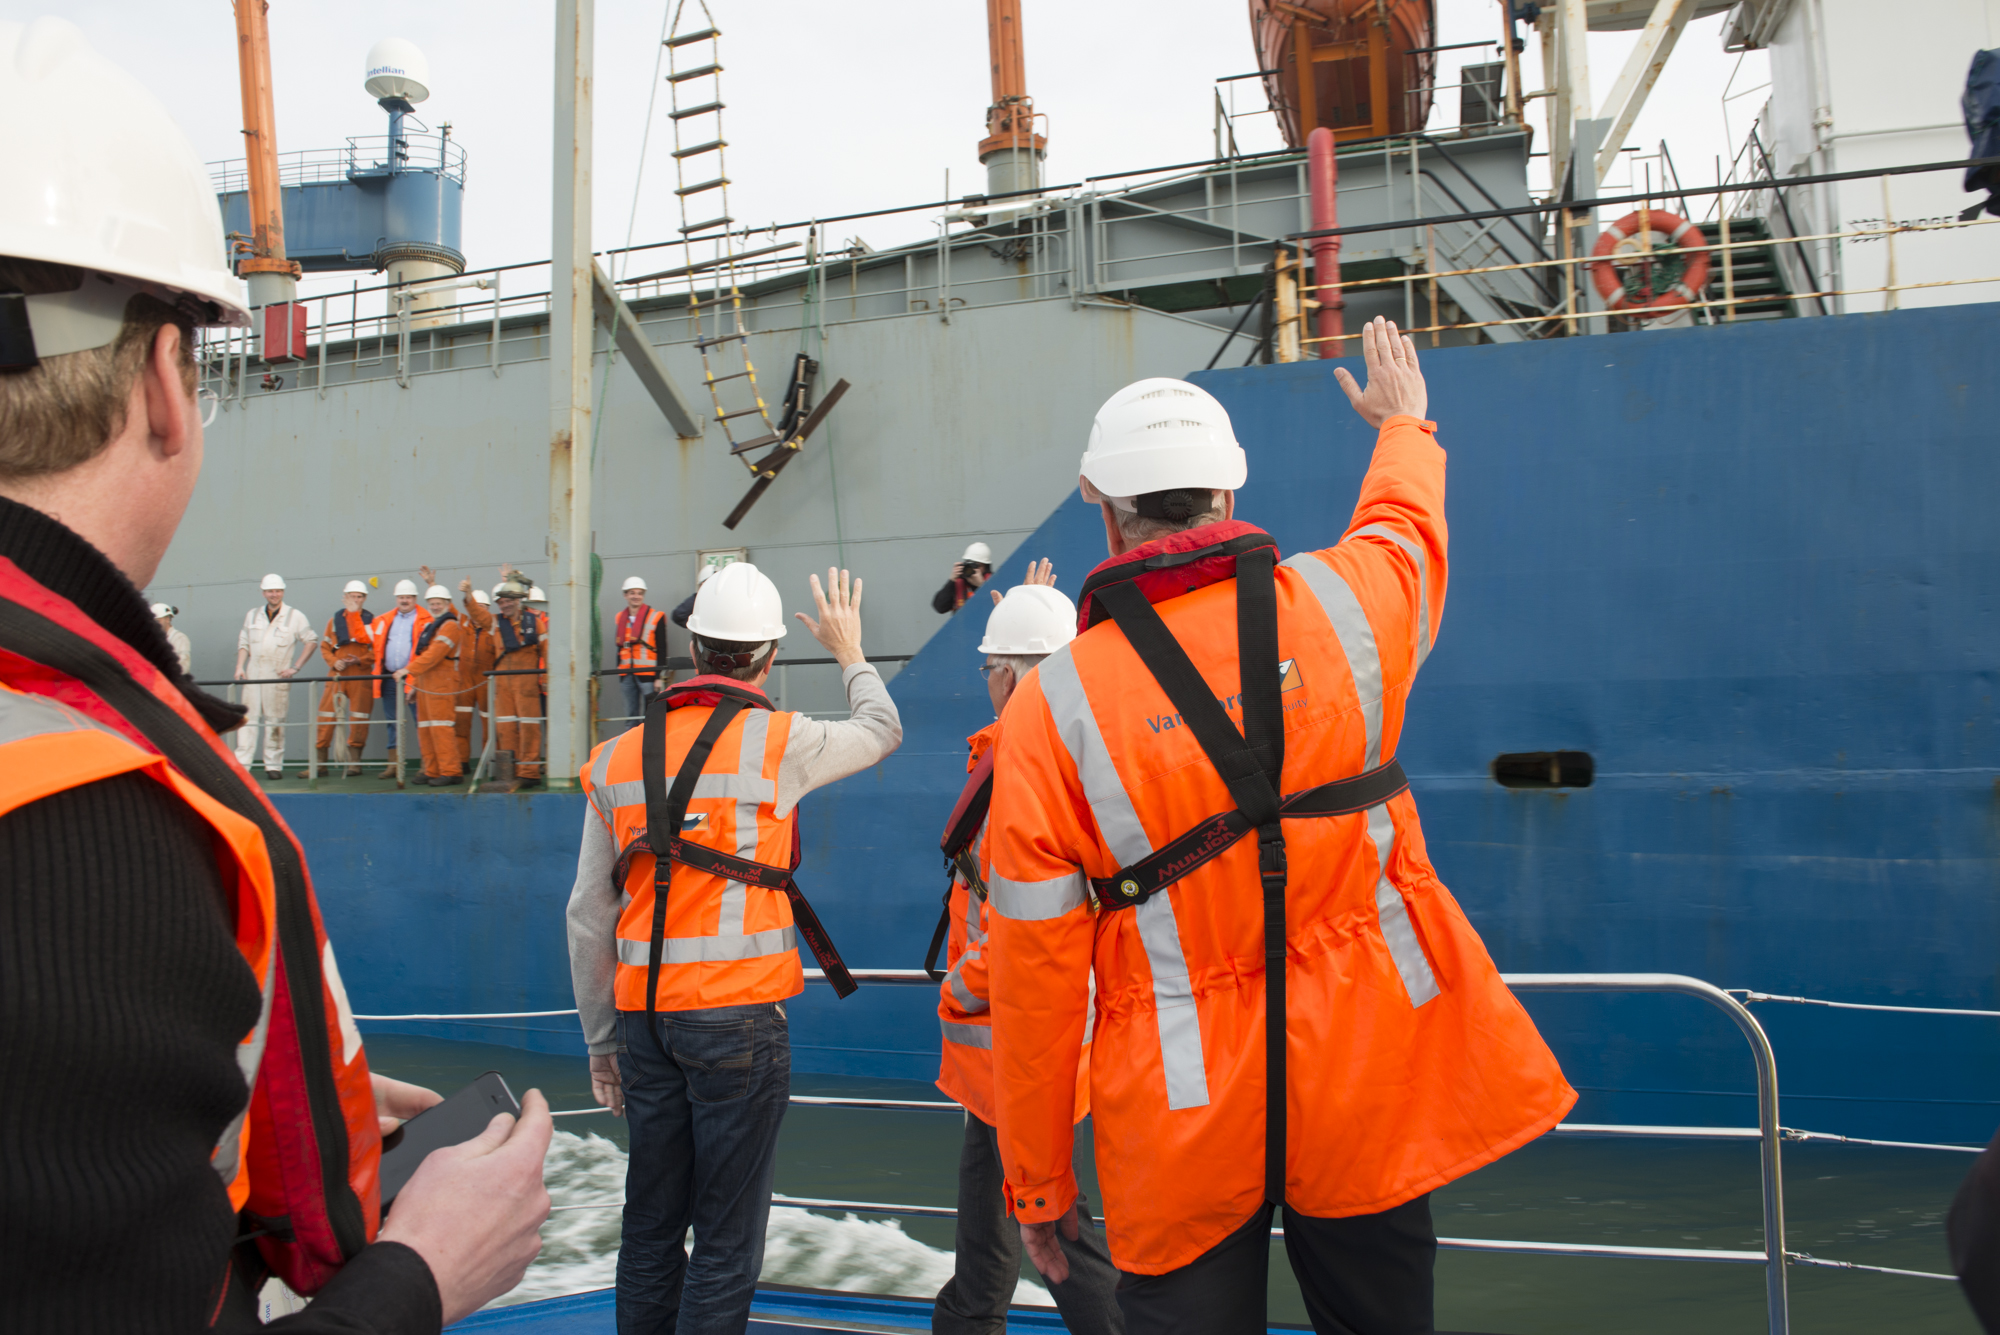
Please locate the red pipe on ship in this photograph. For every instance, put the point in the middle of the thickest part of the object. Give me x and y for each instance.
(1323, 178)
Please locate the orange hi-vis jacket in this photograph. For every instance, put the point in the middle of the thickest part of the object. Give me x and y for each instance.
(726, 943)
(301, 1160)
(379, 629)
(965, 1017)
(1410, 1063)
(436, 667)
(639, 639)
(349, 641)
(518, 642)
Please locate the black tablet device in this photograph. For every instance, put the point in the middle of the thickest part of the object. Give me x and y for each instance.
(453, 1122)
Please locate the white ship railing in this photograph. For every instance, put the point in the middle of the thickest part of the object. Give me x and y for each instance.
(1769, 1135)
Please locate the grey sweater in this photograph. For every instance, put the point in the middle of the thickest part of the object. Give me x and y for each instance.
(818, 752)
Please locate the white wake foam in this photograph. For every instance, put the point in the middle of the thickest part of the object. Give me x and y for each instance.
(580, 1247)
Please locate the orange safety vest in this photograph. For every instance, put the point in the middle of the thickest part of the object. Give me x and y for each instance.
(725, 942)
(301, 1160)
(1410, 1063)
(636, 629)
(965, 1016)
(379, 629)
(438, 648)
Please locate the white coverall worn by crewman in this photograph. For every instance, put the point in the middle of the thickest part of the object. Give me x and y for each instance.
(270, 638)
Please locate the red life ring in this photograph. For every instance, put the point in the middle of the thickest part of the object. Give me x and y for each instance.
(1620, 241)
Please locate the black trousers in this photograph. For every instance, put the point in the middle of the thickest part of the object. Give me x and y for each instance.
(1366, 1274)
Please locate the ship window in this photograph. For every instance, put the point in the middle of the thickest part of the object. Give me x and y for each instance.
(1544, 769)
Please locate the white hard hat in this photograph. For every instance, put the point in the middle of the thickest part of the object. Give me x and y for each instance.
(438, 591)
(633, 582)
(1031, 619)
(740, 604)
(404, 586)
(100, 177)
(979, 552)
(1159, 435)
(706, 573)
(479, 596)
(535, 594)
(355, 586)
(164, 610)
(272, 582)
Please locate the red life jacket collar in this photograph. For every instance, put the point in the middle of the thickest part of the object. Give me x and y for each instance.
(710, 689)
(1171, 566)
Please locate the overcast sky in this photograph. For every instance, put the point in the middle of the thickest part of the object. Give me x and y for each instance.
(832, 108)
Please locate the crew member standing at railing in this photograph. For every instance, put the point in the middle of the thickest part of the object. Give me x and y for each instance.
(1196, 802)
(1030, 623)
(274, 640)
(348, 646)
(395, 645)
(641, 636)
(516, 637)
(164, 613)
(474, 662)
(435, 684)
(681, 995)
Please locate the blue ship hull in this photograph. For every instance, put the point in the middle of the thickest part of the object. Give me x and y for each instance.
(1749, 569)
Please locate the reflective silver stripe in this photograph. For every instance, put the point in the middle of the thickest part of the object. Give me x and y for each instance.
(1069, 708)
(1035, 901)
(707, 949)
(967, 1001)
(752, 789)
(968, 1035)
(1357, 641)
(1173, 998)
(249, 1058)
(1118, 821)
(1423, 584)
(465, 709)
(975, 935)
(1398, 933)
(23, 716)
(434, 723)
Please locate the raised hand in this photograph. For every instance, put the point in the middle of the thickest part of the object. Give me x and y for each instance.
(839, 626)
(428, 575)
(1042, 572)
(1395, 384)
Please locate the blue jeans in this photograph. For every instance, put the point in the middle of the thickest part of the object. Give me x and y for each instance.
(392, 698)
(635, 692)
(705, 1094)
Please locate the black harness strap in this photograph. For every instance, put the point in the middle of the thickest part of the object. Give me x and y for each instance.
(967, 816)
(1251, 764)
(666, 809)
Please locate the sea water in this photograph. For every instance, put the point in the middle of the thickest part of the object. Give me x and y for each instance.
(1869, 1205)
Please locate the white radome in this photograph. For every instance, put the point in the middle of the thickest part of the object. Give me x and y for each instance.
(396, 68)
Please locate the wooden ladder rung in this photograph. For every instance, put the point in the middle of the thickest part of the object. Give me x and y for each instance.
(718, 379)
(724, 417)
(690, 38)
(705, 186)
(756, 444)
(698, 149)
(681, 114)
(720, 338)
(704, 226)
(682, 76)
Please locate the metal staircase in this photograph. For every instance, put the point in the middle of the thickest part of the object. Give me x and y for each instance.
(1760, 287)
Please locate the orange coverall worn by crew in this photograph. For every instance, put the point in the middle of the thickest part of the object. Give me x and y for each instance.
(474, 663)
(965, 1016)
(348, 646)
(1409, 1062)
(515, 639)
(435, 684)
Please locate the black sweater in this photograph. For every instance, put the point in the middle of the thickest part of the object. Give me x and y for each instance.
(122, 998)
